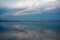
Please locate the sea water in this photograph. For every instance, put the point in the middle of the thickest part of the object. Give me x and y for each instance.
(29, 30)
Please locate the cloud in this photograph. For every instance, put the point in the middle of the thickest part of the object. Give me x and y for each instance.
(20, 4)
(29, 6)
(49, 8)
(50, 0)
(25, 3)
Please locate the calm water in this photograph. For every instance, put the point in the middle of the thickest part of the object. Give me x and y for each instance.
(29, 30)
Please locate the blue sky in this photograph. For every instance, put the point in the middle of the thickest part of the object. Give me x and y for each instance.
(29, 9)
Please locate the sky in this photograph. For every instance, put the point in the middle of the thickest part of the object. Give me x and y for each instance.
(29, 9)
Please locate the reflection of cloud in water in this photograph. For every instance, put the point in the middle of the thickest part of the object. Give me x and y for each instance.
(25, 33)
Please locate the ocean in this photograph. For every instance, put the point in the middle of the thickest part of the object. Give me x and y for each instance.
(29, 30)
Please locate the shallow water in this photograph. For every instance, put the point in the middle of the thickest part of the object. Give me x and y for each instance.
(29, 30)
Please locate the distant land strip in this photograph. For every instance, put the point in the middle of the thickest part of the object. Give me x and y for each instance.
(29, 20)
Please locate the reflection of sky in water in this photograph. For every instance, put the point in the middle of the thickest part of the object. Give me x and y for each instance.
(29, 31)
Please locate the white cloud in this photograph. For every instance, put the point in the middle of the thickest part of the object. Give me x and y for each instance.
(24, 3)
(20, 4)
(49, 8)
(31, 6)
(50, 0)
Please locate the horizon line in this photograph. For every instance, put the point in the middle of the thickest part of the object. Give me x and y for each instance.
(29, 20)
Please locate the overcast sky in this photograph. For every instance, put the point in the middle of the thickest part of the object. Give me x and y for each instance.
(27, 7)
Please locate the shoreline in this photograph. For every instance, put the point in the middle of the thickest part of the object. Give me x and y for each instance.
(29, 20)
